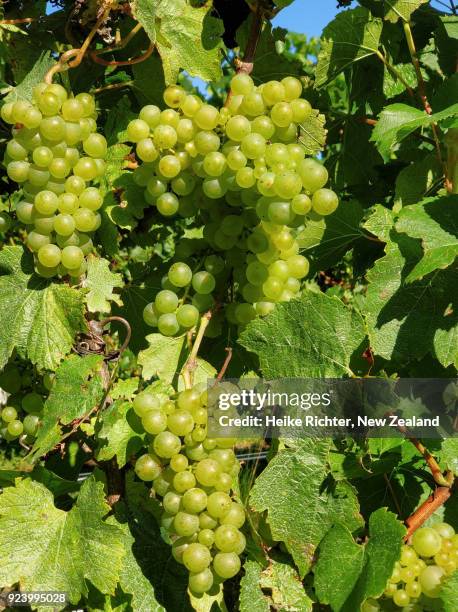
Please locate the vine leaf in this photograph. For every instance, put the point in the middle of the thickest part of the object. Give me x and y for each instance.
(276, 587)
(449, 593)
(162, 357)
(188, 38)
(322, 336)
(401, 9)
(312, 133)
(352, 36)
(449, 454)
(364, 570)
(100, 282)
(435, 223)
(77, 378)
(121, 433)
(144, 11)
(24, 90)
(38, 318)
(300, 509)
(64, 550)
(416, 179)
(408, 320)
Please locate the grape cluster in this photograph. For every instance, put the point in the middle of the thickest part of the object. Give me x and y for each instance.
(242, 176)
(55, 154)
(193, 475)
(26, 393)
(417, 577)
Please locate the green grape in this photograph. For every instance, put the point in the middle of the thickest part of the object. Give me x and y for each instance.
(49, 103)
(144, 403)
(49, 255)
(166, 301)
(214, 163)
(226, 565)
(32, 403)
(206, 117)
(272, 288)
(301, 110)
(253, 104)
(15, 428)
(426, 542)
(42, 156)
(9, 414)
(170, 117)
(238, 127)
(253, 146)
(178, 463)
(72, 257)
(370, 605)
(203, 282)
(31, 423)
(86, 168)
(18, 171)
(167, 204)
(167, 444)
(301, 204)
(75, 185)
(413, 589)
(73, 133)
(206, 142)
(282, 114)
(168, 325)
(43, 224)
(91, 198)
(206, 537)
(298, 266)
(262, 124)
(95, 145)
(64, 225)
(24, 212)
(164, 136)
(196, 557)
(183, 481)
(180, 422)
(187, 316)
(273, 92)
(53, 128)
(186, 524)
(36, 241)
(444, 530)
(7, 112)
(214, 188)
(214, 264)
(207, 472)
(72, 110)
(146, 151)
(58, 168)
(236, 160)
(85, 220)
(172, 502)
(292, 87)
(280, 212)
(324, 201)
(189, 399)
(150, 115)
(314, 175)
(218, 504)
(147, 467)
(242, 84)
(151, 315)
(169, 166)
(5, 222)
(137, 130)
(68, 203)
(156, 187)
(183, 185)
(227, 538)
(287, 185)
(16, 151)
(201, 582)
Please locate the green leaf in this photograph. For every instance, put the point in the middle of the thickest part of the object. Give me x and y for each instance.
(162, 357)
(408, 320)
(38, 318)
(322, 336)
(269, 63)
(125, 388)
(415, 180)
(64, 550)
(276, 587)
(397, 121)
(449, 454)
(77, 378)
(121, 433)
(24, 90)
(100, 282)
(380, 222)
(401, 9)
(300, 509)
(449, 593)
(435, 223)
(326, 241)
(335, 581)
(362, 571)
(146, 89)
(312, 133)
(144, 11)
(209, 602)
(352, 36)
(189, 38)
(393, 85)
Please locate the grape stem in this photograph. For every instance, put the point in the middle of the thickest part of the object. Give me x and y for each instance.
(422, 89)
(120, 45)
(226, 363)
(427, 509)
(191, 362)
(17, 21)
(246, 65)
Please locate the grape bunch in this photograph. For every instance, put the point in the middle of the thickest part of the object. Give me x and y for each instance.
(26, 393)
(417, 577)
(193, 475)
(242, 177)
(55, 154)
